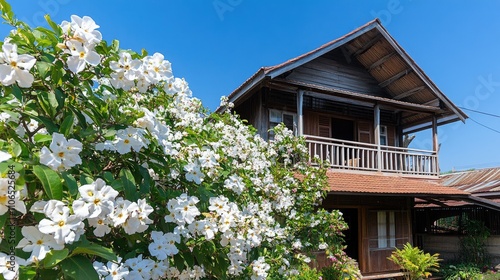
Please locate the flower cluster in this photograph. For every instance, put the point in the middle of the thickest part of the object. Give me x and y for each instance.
(81, 39)
(138, 74)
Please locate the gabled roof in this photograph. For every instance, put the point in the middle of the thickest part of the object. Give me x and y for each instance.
(394, 70)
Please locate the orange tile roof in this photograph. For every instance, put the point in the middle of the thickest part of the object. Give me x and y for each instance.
(346, 182)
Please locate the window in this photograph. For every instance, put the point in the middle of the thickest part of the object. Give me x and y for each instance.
(383, 135)
(276, 117)
(386, 229)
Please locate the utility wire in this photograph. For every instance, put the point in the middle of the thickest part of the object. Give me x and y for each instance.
(479, 112)
(484, 125)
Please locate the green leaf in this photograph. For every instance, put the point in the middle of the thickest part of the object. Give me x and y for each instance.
(67, 124)
(54, 257)
(79, 267)
(117, 185)
(49, 125)
(50, 180)
(97, 250)
(55, 26)
(43, 68)
(40, 138)
(70, 182)
(145, 185)
(108, 177)
(86, 179)
(16, 149)
(27, 272)
(16, 91)
(48, 101)
(115, 44)
(129, 185)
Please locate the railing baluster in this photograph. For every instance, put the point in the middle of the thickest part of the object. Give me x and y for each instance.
(362, 156)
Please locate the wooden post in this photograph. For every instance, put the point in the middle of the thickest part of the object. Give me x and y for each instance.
(376, 125)
(435, 144)
(300, 120)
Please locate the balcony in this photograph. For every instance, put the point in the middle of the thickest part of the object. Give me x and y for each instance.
(350, 155)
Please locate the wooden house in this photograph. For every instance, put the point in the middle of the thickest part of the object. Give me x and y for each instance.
(354, 99)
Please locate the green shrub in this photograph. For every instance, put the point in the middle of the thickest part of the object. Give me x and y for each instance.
(462, 272)
(491, 275)
(414, 262)
(472, 244)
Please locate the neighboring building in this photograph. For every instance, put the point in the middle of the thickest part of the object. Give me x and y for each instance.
(354, 99)
(439, 225)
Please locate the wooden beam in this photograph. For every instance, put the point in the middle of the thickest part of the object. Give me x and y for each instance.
(300, 101)
(380, 61)
(434, 201)
(367, 45)
(435, 140)
(394, 78)
(376, 124)
(409, 92)
(430, 102)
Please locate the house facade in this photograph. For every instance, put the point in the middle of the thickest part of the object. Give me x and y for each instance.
(354, 99)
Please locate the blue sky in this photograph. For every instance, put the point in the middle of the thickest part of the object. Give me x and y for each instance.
(218, 44)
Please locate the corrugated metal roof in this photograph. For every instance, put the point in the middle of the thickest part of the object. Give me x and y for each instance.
(474, 181)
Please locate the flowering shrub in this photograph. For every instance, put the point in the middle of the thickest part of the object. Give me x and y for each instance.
(110, 169)
(341, 267)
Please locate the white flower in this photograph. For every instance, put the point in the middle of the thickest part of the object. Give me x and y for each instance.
(81, 55)
(96, 199)
(118, 80)
(9, 266)
(37, 243)
(6, 197)
(4, 156)
(163, 245)
(183, 209)
(133, 217)
(101, 225)
(259, 269)
(14, 67)
(127, 140)
(140, 268)
(82, 28)
(219, 204)
(194, 173)
(297, 244)
(156, 69)
(235, 183)
(61, 224)
(63, 154)
(126, 65)
(112, 270)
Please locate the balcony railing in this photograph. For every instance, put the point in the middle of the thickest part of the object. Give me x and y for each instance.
(344, 154)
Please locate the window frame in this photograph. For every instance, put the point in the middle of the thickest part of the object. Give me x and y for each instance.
(273, 122)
